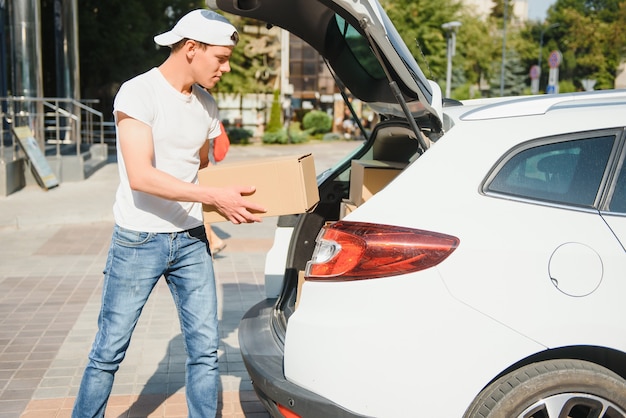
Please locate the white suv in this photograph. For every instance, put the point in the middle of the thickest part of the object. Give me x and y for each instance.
(486, 279)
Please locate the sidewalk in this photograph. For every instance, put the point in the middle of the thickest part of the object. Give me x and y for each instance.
(54, 247)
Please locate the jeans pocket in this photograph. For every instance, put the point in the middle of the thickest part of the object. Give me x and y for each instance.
(129, 238)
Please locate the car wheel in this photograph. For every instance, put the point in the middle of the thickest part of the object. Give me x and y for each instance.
(553, 389)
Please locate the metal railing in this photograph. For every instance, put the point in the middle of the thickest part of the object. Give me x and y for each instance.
(54, 121)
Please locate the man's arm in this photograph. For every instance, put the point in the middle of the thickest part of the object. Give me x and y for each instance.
(135, 139)
(204, 154)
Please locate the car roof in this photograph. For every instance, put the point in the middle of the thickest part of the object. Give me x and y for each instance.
(360, 44)
(507, 107)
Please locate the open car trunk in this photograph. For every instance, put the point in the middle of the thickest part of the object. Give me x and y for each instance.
(369, 61)
(392, 144)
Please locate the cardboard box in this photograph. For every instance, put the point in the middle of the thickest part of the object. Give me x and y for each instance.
(345, 208)
(368, 177)
(284, 185)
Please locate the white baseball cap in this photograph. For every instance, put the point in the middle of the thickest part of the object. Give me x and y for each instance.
(201, 25)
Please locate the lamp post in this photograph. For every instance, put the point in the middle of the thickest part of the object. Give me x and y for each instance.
(450, 28)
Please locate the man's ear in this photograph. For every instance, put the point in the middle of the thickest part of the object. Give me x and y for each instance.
(190, 48)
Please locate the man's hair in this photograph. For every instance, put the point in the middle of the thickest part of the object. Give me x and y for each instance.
(178, 45)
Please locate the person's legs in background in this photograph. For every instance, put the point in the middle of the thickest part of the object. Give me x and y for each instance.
(217, 244)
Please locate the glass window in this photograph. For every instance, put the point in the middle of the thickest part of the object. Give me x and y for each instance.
(295, 52)
(297, 82)
(309, 54)
(567, 172)
(618, 201)
(360, 49)
(310, 68)
(295, 67)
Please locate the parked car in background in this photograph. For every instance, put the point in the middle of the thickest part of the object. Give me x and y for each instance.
(467, 261)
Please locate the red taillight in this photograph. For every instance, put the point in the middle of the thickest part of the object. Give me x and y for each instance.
(358, 250)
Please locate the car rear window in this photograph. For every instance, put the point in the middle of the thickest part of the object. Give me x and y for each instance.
(359, 47)
(568, 172)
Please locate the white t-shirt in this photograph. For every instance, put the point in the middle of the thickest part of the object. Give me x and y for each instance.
(180, 126)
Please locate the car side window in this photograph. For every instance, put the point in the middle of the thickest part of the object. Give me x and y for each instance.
(568, 172)
(618, 201)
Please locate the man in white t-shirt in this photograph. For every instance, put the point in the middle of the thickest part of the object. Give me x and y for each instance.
(164, 119)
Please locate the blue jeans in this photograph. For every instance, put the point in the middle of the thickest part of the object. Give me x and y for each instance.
(135, 262)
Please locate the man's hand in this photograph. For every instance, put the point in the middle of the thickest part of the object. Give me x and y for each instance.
(230, 202)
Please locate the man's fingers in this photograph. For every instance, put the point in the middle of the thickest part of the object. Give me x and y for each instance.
(253, 218)
(238, 209)
(246, 190)
(247, 217)
(250, 206)
(241, 216)
(253, 207)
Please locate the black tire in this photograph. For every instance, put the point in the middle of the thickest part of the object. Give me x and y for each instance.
(572, 388)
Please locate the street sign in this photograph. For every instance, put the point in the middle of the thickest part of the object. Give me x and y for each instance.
(535, 72)
(554, 60)
(41, 169)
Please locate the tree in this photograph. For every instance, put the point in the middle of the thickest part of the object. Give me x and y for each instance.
(497, 11)
(116, 41)
(478, 40)
(275, 123)
(419, 23)
(591, 38)
(253, 61)
(514, 76)
(476, 49)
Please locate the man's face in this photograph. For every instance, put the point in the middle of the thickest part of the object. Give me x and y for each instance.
(210, 63)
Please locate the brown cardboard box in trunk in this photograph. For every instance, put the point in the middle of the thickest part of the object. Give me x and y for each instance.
(368, 177)
(284, 185)
(345, 207)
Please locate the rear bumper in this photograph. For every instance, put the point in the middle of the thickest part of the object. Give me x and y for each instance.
(263, 358)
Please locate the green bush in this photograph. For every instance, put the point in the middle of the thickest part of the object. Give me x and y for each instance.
(296, 136)
(567, 86)
(317, 121)
(276, 137)
(331, 136)
(239, 135)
